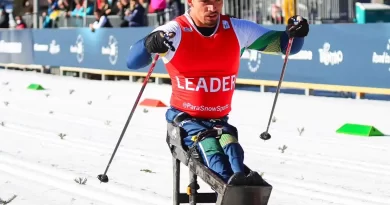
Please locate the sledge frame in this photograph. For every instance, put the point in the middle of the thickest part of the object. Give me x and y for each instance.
(225, 194)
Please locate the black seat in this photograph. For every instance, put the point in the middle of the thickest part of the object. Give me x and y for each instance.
(225, 194)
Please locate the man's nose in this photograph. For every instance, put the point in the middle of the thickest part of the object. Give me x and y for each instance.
(211, 7)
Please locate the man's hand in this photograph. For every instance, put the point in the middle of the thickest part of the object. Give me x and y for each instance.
(167, 37)
(91, 27)
(297, 27)
(159, 42)
(127, 12)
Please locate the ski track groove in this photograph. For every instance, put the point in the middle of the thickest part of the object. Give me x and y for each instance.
(62, 180)
(327, 188)
(88, 121)
(321, 137)
(331, 162)
(318, 191)
(304, 200)
(82, 146)
(65, 117)
(38, 194)
(353, 163)
(321, 190)
(78, 117)
(91, 112)
(129, 159)
(334, 141)
(50, 132)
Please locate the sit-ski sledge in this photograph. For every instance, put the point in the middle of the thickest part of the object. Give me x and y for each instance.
(226, 194)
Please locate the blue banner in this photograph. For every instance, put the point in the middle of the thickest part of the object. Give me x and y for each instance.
(16, 47)
(335, 54)
(103, 49)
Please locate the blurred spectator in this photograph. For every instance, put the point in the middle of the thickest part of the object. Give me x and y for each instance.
(276, 14)
(288, 9)
(51, 16)
(158, 7)
(20, 24)
(27, 7)
(105, 7)
(123, 6)
(144, 3)
(54, 8)
(78, 10)
(4, 18)
(81, 9)
(64, 6)
(101, 21)
(135, 17)
(175, 8)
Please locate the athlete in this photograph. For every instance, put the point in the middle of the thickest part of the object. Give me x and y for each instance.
(201, 50)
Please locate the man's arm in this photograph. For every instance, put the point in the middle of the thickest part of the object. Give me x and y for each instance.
(256, 37)
(140, 54)
(100, 23)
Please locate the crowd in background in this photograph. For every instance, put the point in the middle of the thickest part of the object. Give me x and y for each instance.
(138, 13)
(131, 13)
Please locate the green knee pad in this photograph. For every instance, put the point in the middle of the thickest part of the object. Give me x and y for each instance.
(210, 146)
(227, 139)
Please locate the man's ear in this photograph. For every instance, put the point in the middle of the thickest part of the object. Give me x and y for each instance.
(189, 3)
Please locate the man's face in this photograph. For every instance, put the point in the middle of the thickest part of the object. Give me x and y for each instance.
(206, 11)
(132, 3)
(97, 15)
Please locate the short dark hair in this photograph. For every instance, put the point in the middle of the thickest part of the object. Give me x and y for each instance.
(100, 12)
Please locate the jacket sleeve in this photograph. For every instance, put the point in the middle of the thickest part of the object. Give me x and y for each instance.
(256, 37)
(139, 57)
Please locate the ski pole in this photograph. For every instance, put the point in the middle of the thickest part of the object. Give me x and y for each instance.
(265, 135)
(104, 177)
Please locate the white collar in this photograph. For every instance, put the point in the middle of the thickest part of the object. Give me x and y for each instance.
(187, 15)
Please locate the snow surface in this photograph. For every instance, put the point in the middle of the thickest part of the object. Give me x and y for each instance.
(317, 168)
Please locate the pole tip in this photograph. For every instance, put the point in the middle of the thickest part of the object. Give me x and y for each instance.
(103, 178)
(265, 136)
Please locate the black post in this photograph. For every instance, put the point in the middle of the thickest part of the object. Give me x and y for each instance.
(176, 181)
(193, 180)
(295, 7)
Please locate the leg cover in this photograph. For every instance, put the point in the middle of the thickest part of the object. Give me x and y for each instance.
(209, 148)
(234, 151)
(224, 156)
(215, 158)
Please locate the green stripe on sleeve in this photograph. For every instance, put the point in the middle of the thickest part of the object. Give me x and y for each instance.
(268, 43)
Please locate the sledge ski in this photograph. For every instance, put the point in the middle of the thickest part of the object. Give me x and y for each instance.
(225, 194)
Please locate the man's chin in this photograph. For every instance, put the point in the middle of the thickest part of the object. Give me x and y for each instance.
(211, 22)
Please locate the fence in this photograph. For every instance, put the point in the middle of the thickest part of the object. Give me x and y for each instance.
(270, 11)
(260, 11)
(77, 22)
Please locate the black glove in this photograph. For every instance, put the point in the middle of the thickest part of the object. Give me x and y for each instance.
(159, 42)
(297, 26)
